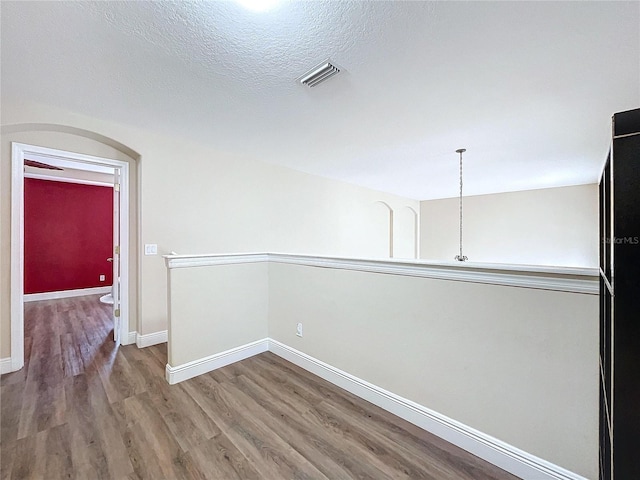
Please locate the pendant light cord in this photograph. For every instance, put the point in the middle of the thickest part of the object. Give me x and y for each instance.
(460, 204)
(461, 257)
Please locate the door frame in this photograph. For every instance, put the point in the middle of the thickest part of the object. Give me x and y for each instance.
(73, 160)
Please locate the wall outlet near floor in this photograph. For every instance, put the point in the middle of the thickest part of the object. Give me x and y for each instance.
(299, 329)
(102, 278)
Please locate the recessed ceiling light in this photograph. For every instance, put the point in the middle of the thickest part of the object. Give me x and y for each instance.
(258, 5)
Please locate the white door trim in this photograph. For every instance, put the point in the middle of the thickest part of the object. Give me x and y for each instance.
(52, 156)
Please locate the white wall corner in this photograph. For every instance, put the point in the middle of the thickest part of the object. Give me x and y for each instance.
(503, 455)
(5, 365)
(192, 369)
(149, 339)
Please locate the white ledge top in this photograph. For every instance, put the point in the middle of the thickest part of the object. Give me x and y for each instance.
(567, 279)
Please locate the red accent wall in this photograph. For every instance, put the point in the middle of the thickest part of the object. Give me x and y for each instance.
(68, 235)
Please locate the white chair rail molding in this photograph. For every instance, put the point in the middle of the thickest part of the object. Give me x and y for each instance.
(500, 360)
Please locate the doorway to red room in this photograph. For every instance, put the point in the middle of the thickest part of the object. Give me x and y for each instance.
(118, 173)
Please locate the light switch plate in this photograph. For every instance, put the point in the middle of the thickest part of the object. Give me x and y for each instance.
(150, 249)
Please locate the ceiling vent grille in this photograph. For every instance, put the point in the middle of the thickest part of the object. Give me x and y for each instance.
(319, 74)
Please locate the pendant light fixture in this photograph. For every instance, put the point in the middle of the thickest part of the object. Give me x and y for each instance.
(460, 257)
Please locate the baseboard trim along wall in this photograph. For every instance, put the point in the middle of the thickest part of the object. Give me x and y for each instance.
(132, 338)
(5, 365)
(207, 364)
(149, 339)
(81, 292)
(501, 454)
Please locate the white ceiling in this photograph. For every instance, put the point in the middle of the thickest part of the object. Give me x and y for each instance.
(527, 87)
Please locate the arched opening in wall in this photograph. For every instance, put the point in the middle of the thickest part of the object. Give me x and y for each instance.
(405, 232)
(386, 227)
(63, 310)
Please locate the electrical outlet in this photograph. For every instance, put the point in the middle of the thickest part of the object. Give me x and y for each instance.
(102, 278)
(299, 329)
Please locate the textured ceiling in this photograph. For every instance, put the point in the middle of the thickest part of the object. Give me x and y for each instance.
(527, 87)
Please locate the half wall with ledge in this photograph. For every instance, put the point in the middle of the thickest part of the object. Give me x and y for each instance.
(500, 360)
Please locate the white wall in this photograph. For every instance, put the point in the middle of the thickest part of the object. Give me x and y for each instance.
(198, 199)
(552, 226)
(216, 309)
(518, 364)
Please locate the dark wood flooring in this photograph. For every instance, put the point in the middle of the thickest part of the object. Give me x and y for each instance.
(82, 408)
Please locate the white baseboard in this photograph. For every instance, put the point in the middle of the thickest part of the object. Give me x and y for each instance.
(34, 297)
(198, 367)
(486, 447)
(503, 455)
(131, 338)
(149, 339)
(5, 365)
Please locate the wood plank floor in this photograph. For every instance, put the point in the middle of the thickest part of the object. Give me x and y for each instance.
(81, 408)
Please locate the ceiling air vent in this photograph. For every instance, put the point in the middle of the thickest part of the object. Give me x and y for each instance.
(319, 74)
